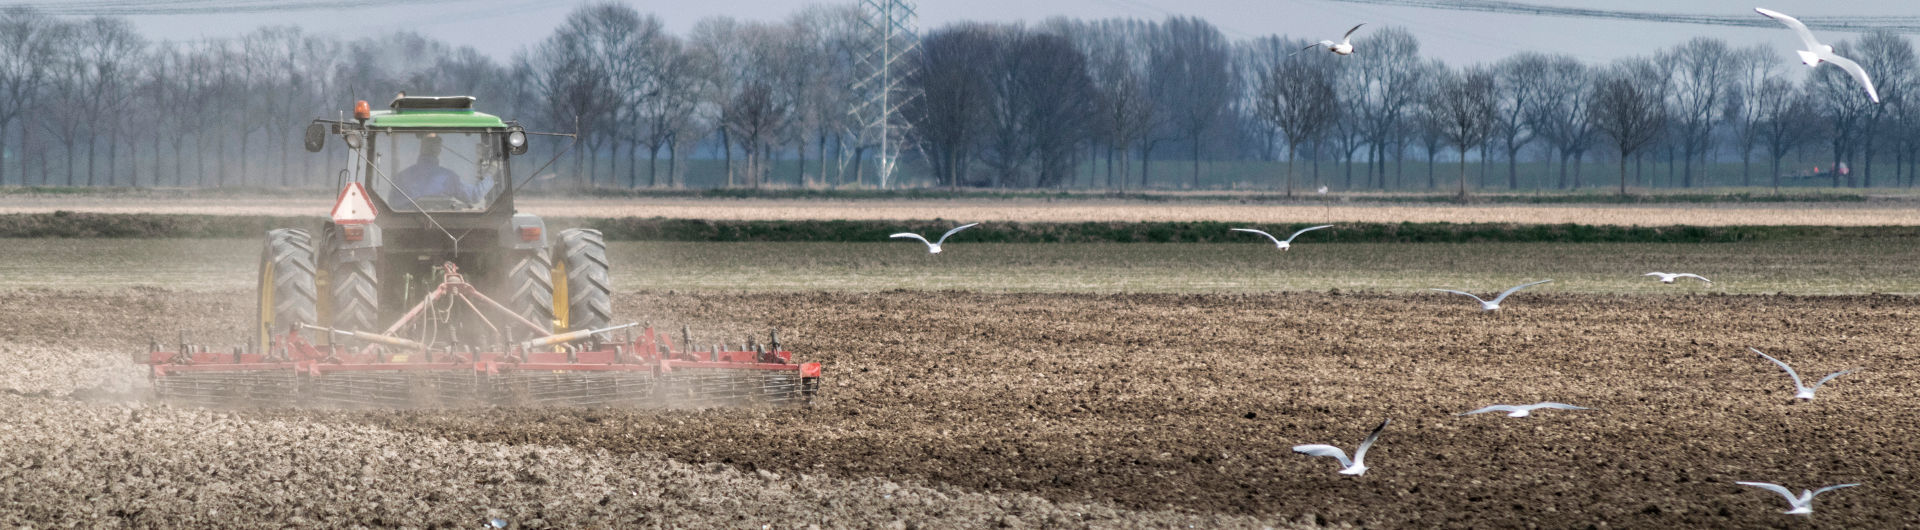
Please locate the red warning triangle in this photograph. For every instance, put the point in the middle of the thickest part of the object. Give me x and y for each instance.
(354, 207)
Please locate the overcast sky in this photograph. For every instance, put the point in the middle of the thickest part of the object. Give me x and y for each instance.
(500, 27)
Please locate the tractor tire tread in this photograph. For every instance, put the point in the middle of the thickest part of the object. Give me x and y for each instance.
(356, 295)
(589, 289)
(528, 286)
(295, 298)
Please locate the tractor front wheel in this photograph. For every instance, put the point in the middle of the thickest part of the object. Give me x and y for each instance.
(286, 296)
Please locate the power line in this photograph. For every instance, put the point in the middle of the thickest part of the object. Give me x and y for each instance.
(1898, 24)
(88, 8)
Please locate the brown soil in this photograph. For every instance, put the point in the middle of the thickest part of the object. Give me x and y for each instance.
(1190, 403)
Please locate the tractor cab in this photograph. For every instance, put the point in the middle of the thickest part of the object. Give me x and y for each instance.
(431, 155)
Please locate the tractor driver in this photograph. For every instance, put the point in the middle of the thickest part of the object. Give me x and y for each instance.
(429, 183)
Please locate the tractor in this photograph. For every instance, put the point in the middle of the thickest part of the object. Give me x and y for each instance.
(425, 286)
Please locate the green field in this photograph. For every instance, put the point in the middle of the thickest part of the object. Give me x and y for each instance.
(1794, 267)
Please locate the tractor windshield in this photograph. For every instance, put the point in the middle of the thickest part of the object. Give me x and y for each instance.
(440, 171)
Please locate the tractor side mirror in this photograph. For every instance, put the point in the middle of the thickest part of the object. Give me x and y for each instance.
(316, 137)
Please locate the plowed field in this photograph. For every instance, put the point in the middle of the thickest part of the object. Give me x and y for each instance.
(1048, 409)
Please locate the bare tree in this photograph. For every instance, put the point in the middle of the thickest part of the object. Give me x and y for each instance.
(1191, 80)
(1519, 83)
(1564, 120)
(668, 111)
(1889, 61)
(753, 116)
(1384, 91)
(66, 96)
(830, 43)
(1428, 125)
(1297, 97)
(1466, 111)
(949, 117)
(1123, 112)
(27, 41)
(571, 74)
(1703, 72)
(1743, 112)
(1786, 120)
(1629, 109)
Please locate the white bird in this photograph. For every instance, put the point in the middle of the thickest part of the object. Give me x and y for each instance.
(1817, 52)
(1283, 245)
(1495, 304)
(933, 247)
(1803, 504)
(1322, 190)
(1802, 391)
(1344, 47)
(1357, 466)
(1669, 277)
(1522, 411)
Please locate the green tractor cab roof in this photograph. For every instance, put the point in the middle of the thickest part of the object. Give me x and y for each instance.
(450, 112)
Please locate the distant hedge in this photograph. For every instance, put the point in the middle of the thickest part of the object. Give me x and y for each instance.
(99, 225)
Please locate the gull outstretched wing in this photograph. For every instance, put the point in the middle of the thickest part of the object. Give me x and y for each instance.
(1776, 488)
(1830, 377)
(1305, 230)
(911, 235)
(1806, 35)
(1324, 450)
(1783, 366)
(1853, 68)
(956, 230)
(1516, 288)
(1276, 241)
(1349, 35)
(1462, 293)
(1360, 453)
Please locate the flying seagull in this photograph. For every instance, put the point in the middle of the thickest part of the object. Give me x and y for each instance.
(1276, 241)
(1522, 411)
(933, 247)
(1344, 47)
(1495, 304)
(1803, 504)
(1669, 277)
(1357, 466)
(1817, 52)
(1802, 391)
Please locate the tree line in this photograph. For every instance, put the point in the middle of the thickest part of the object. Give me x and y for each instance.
(1106, 104)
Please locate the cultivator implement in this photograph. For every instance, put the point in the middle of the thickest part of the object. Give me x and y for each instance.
(642, 367)
(642, 370)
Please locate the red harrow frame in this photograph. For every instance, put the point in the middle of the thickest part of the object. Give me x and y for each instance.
(579, 368)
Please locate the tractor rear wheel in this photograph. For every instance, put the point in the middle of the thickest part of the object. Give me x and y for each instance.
(355, 294)
(350, 289)
(581, 275)
(286, 295)
(526, 287)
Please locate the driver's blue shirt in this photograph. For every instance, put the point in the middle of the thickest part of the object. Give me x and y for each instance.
(428, 180)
